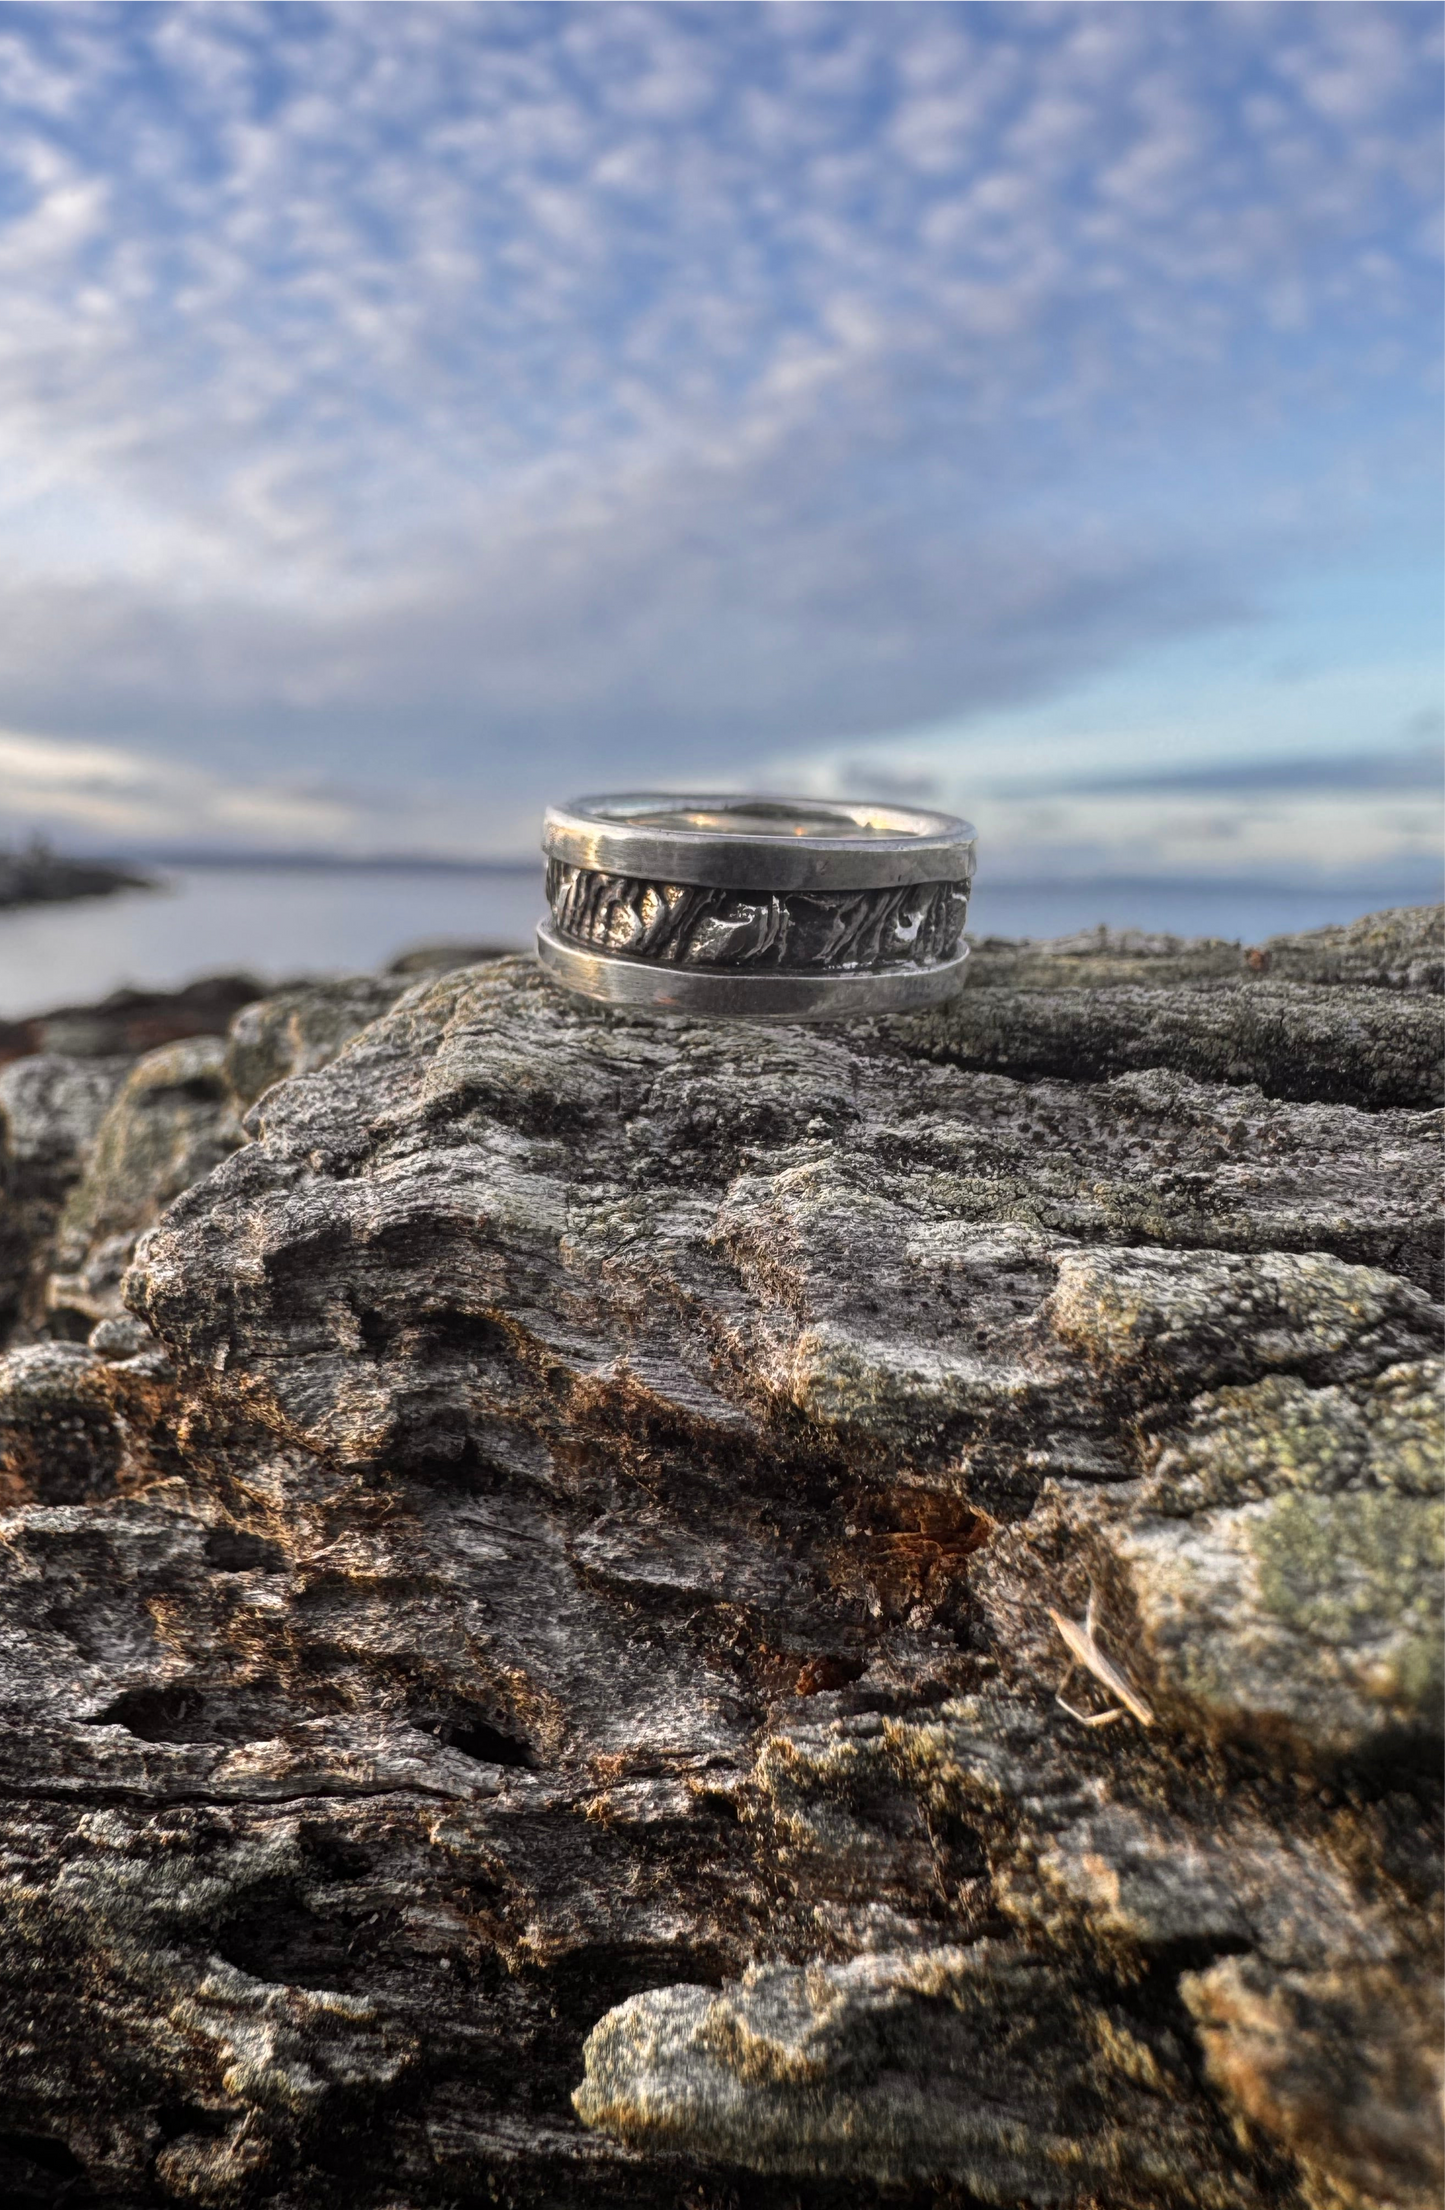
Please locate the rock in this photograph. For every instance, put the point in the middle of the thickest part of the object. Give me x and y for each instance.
(1403, 949)
(303, 1028)
(1360, 1046)
(131, 1021)
(942, 2061)
(59, 1443)
(1399, 950)
(1311, 1594)
(1095, 958)
(1333, 2063)
(554, 1596)
(50, 1110)
(99, 1148)
(1105, 1002)
(443, 955)
(80, 1163)
(170, 1122)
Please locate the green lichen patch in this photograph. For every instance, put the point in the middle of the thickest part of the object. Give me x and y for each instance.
(1285, 1556)
(1244, 1444)
(1359, 1577)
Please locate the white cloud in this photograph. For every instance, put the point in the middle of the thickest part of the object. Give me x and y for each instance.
(104, 793)
(102, 796)
(628, 377)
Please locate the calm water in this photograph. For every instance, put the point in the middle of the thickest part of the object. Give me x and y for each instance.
(277, 922)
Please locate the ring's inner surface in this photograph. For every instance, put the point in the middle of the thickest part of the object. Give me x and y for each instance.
(757, 817)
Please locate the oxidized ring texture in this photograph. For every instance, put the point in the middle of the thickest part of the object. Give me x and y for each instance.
(784, 909)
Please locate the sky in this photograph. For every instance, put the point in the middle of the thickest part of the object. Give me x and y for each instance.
(413, 413)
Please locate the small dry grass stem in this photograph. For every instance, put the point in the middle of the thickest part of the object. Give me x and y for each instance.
(1084, 1650)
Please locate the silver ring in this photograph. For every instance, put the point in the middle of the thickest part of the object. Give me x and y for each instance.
(784, 909)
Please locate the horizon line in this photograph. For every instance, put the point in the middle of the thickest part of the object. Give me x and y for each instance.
(1424, 880)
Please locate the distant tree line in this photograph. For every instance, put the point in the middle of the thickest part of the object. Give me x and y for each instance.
(36, 874)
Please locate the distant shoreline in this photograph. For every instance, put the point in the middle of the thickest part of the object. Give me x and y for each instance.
(1400, 886)
(38, 876)
(339, 863)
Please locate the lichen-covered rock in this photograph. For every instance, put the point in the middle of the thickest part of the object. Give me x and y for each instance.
(1279, 1564)
(1403, 949)
(978, 2064)
(558, 1593)
(1311, 1593)
(1360, 1046)
(1094, 958)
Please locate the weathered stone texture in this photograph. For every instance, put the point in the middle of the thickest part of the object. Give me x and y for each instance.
(1104, 1002)
(51, 1108)
(528, 1655)
(170, 1122)
(1400, 950)
(129, 1022)
(299, 1030)
(1355, 1047)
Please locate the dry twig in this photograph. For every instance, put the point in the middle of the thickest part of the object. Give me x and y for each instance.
(1084, 1650)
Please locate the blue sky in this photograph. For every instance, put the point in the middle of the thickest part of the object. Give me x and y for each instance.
(411, 413)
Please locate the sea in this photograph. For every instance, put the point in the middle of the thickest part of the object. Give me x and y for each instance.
(282, 922)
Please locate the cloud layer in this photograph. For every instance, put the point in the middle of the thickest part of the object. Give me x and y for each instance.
(480, 399)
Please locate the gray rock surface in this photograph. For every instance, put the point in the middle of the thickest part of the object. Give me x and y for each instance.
(51, 1108)
(1399, 950)
(129, 1022)
(1358, 1046)
(528, 1661)
(440, 955)
(301, 1029)
(172, 1119)
(93, 1149)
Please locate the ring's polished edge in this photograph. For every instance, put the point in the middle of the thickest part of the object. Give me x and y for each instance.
(833, 844)
(615, 979)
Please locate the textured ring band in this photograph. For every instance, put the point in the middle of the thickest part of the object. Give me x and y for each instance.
(762, 908)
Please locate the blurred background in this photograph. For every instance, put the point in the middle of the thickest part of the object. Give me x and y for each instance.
(411, 413)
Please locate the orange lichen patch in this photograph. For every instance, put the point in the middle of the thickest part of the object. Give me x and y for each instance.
(14, 1489)
(907, 1547)
(822, 1673)
(1270, 2038)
